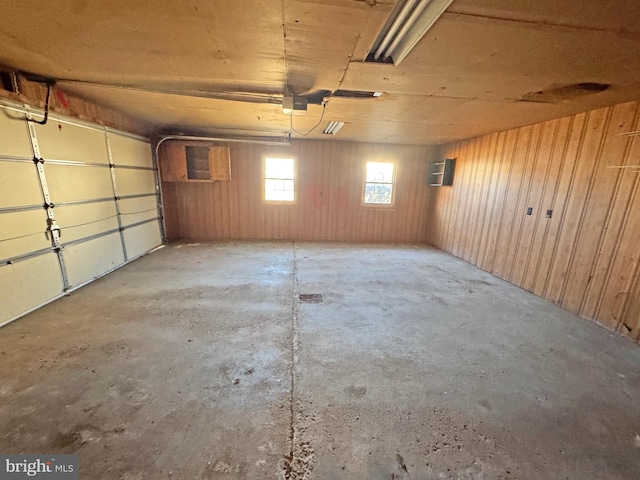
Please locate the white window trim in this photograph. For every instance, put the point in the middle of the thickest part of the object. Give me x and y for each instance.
(263, 179)
(393, 184)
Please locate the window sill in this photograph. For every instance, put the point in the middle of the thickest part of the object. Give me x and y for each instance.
(380, 206)
(280, 202)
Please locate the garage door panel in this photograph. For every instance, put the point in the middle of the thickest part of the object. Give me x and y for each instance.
(29, 283)
(88, 260)
(135, 210)
(80, 185)
(62, 141)
(142, 238)
(80, 221)
(129, 151)
(27, 229)
(72, 182)
(133, 182)
(14, 136)
(19, 184)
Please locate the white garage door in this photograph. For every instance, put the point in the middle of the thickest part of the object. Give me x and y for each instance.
(76, 201)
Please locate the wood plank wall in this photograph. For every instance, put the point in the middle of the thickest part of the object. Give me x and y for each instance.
(586, 257)
(330, 187)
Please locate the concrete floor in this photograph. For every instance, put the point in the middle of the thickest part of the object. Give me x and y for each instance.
(196, 362)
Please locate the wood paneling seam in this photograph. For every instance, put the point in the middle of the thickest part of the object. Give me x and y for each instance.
(554, 196)
(534, 154)
(583, 210)
(517, 203)
(483, 199)
(502, 213)
(450, 197)
(623, 223)
(540, 207)
(504, 136)
(451, 234)
(635, 276)
(462, 165)
(486, 218)
(472, 203)
(563, 215)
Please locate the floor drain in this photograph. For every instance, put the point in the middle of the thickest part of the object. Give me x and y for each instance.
(310, 298)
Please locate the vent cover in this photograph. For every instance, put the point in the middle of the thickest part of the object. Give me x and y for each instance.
(355, 94)
(310, 298)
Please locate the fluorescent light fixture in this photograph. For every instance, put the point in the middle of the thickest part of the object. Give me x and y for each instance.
(407, 24)
(332, 128)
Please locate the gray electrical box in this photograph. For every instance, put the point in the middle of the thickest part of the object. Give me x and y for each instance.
(294, 105)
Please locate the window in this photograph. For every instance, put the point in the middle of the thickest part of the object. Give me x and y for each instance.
(378, 187)
(279, 180)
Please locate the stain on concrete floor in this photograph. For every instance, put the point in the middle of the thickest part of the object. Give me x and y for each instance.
(200, 362)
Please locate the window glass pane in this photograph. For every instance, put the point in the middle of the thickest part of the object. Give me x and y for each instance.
(276, 189)
(379, 172)
(278, 168)
(380, 193)
(279, 182)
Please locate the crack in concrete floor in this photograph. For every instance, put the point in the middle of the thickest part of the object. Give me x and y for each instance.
(298, 464)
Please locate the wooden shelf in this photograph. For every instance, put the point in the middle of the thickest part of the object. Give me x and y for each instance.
(442, 173)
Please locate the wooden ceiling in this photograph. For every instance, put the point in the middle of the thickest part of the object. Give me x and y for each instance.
(465, 78)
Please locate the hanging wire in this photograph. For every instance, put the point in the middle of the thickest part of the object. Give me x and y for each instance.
(141, 211)
(108, 218)
(46, 108)
(20, 236)
(89, 223)
(324, 106)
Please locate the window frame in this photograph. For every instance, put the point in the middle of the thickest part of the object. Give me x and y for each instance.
(393, 183)
(264, 179)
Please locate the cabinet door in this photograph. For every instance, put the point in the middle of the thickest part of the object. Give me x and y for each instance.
(219, 163)
(447, 172)
(174, 164)
(194, 162)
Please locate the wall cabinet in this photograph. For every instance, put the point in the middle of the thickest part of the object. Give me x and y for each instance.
(194, 162)
(442, 173)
